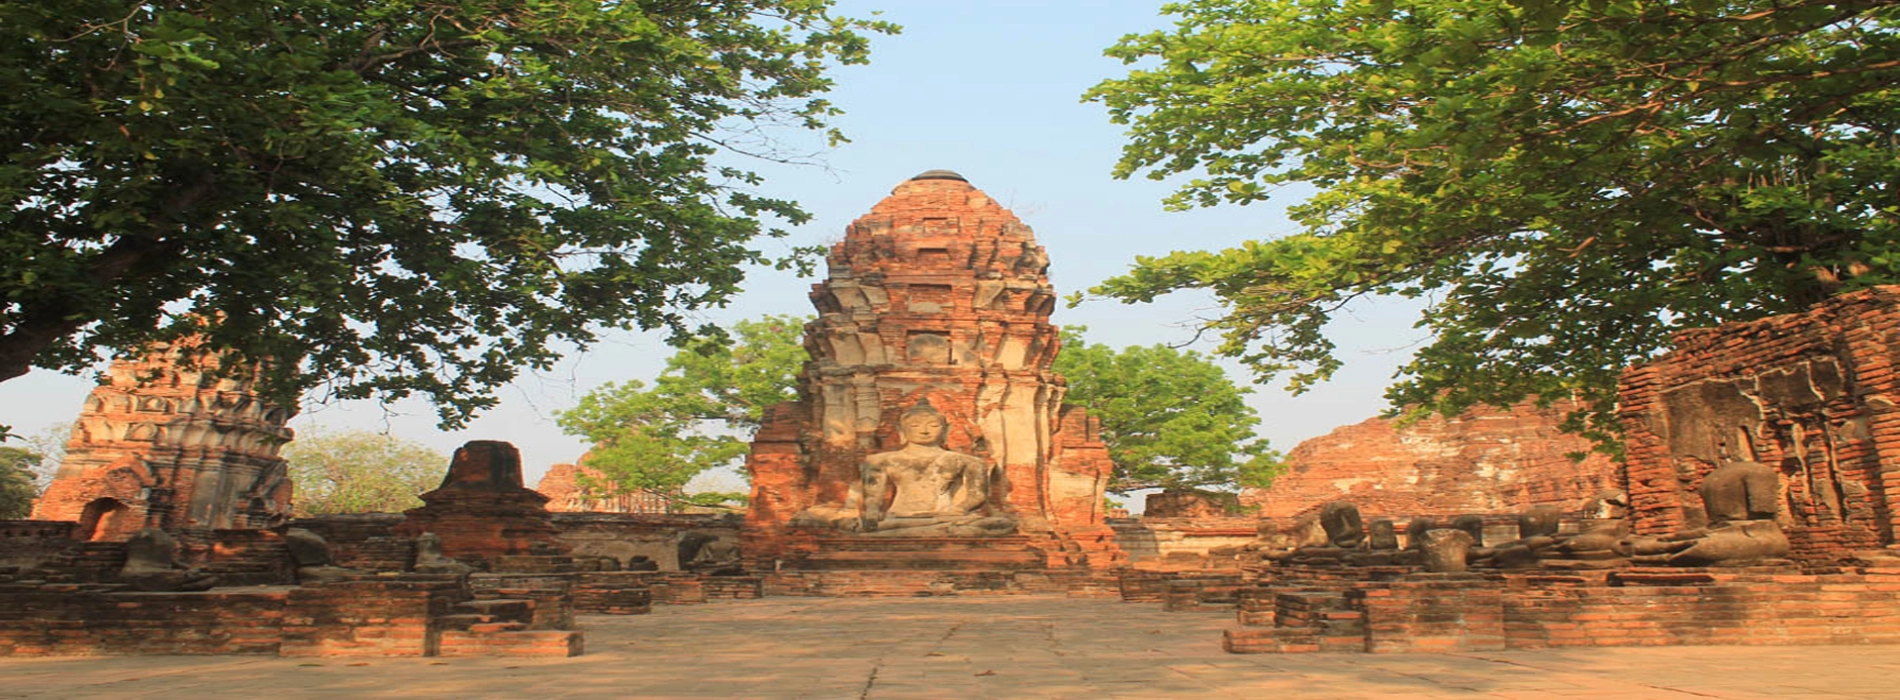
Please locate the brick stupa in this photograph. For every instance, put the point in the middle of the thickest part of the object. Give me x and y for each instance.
(938, 296)
(170, 441)
(482, 512)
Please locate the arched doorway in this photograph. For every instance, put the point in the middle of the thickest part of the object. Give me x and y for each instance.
(101, 518)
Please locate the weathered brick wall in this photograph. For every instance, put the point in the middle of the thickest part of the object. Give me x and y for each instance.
(363, 540)
(70, 620)
(27, 543)
(1485, 461)
(910, 584)
(552, 595)
(1151, 540)
(366, 618)
(1635, 607)
(622, 536)
(612, 593)
(1434, 613)
(1670, 607)
(1811, 394)
(420, 617)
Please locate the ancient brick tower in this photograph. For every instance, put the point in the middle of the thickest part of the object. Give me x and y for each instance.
(179, 448)
(937, 295)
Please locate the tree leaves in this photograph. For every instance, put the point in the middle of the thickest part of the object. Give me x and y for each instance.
(17, 489)
(1171, 418)
(1565, 184)
(388, 198)
(699, 414)
(359, 471)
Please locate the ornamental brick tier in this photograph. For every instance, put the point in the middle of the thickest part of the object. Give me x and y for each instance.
(938, 300)
(170, 441)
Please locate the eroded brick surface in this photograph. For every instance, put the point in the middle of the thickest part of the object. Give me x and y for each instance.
(1485, 461)
(171, 442)
(1809, 394)
(937, 294)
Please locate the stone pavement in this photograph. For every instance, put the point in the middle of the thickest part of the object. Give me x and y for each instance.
(971, 647)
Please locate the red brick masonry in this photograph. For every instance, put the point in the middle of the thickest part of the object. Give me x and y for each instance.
(1635, 607)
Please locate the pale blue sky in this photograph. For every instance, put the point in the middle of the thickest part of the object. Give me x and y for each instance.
(990, 89)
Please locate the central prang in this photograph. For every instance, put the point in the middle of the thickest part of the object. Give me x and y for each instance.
(930, 431)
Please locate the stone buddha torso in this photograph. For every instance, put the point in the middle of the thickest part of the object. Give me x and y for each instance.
(924, 489)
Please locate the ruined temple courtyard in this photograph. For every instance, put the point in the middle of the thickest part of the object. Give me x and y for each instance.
(1019, 646)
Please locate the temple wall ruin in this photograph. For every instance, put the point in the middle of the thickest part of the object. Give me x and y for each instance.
(1812, 395)
(562, 484)
(172, 440)
(1484, 461)
(1443, 613)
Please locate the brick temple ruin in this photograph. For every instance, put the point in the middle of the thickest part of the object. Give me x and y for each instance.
(933, 327)
(1486, 460)
(1753, 507)
(930, 454)
(172, 440)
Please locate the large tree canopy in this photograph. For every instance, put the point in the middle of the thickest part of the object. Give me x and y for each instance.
(359, 471)
(1563, 183)
(699, 414)
(388, 195)
(1171, 418)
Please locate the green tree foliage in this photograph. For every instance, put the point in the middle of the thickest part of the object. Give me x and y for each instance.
(1563, 183)
(359, 471)
(17, 490)
(387, 195)
(699, 414)
(1171, 418)
(50, 443)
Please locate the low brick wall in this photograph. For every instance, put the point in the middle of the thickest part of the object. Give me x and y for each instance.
(915, 583)
(370, 618)
(1633, 607)
(1151, 585)
(553, 605)
(356, 618)
(612, 593)
(1149, 540)
(622, 536)
(91, 620)
(1213, 593)
(1666, 607)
